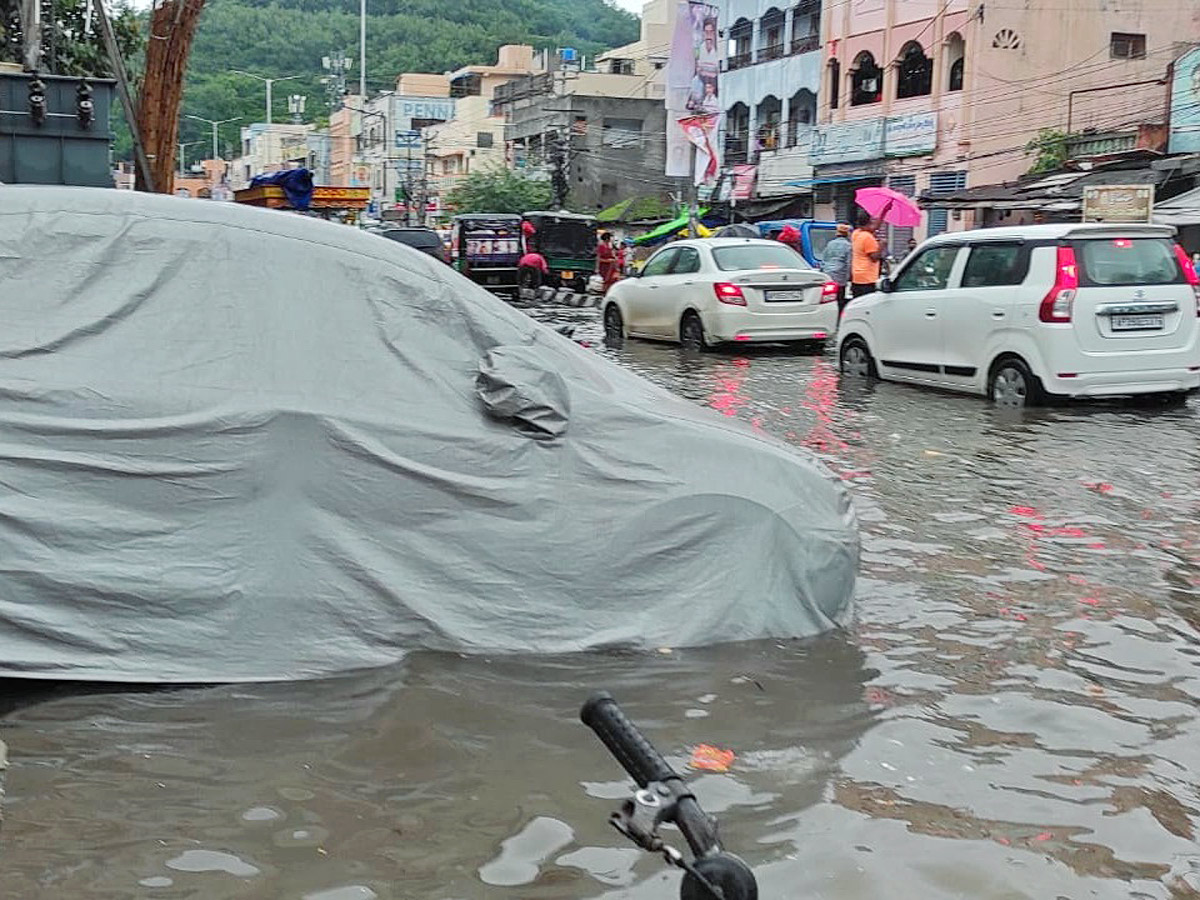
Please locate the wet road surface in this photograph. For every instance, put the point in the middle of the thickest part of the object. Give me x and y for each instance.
(1013, 714)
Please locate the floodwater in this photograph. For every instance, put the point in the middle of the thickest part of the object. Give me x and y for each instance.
(1013, 713)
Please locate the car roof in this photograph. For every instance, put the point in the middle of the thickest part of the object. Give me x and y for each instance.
(1059, 231)
(718, 242)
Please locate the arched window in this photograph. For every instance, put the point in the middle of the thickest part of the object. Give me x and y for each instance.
(770, 115)
(955, 57)
(835, 83)
(866, 80)
(741, 52)
(802, 114)
(737, 133)
(771, 35)
(915, 72)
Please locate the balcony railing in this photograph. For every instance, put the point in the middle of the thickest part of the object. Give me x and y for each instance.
(739, 61)
(773, 51)
(806, 44)
(737, 149)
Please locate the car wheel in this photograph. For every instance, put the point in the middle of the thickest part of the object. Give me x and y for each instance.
(614, 326)
(855, 360)
(1012, 385)
(691, 332)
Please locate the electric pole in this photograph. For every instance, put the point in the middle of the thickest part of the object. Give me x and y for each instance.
(560, 167)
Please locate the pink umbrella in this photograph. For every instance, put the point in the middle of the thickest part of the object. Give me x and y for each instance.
(902, 211)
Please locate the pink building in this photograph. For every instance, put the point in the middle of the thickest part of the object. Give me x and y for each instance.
(930, 96)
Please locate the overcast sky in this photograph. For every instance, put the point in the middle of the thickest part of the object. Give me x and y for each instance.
(634, 6)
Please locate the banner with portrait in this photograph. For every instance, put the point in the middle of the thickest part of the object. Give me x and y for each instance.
(693, 92)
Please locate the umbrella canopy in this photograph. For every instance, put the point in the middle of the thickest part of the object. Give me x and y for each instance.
(737, 230)
(665, 231)
(892, 206)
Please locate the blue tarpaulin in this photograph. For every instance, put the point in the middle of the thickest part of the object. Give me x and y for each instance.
(297, 185)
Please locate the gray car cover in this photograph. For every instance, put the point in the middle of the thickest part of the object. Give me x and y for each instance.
(245, 445)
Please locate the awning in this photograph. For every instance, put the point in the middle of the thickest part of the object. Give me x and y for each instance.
(1181, 210)
(665, 231)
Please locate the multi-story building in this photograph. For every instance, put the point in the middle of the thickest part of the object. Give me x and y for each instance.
(268, 148)
(769, 89)
(930, 96)
(608, 118)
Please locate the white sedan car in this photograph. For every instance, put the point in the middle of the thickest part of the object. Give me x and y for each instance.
(705, 292)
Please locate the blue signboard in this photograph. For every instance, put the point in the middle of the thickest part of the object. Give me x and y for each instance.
(408, 140)
(1185, 104)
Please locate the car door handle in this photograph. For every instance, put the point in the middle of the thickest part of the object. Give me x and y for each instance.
(998, 314)
(931, 313)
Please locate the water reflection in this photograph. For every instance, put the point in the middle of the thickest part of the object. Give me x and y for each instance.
(451, 777)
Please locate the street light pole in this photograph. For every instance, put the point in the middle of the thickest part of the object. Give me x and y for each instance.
(216, 154)
(362, 49)
(269, 82)
(182, 150)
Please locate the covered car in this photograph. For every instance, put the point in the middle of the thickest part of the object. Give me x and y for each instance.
(240, 445)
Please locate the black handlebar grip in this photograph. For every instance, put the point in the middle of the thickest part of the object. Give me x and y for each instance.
(630, 747)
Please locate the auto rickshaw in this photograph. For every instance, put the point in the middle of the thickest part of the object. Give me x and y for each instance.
(486, 247)
(568, 244)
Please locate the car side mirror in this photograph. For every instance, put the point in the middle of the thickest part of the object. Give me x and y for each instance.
(885, 285)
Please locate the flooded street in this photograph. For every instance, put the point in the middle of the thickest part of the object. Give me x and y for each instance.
(1013, 713)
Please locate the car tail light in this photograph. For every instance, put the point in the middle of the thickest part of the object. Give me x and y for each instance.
(1056, 305)
(729, 293)
(1189, 272)
(830, 291)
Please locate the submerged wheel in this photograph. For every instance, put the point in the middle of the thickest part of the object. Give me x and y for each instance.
(531, 278)
(855, 360)
(691, 332)
(614, 326)
(1012, 385)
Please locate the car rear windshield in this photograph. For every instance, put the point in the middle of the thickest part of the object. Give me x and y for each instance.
(757, 256)
(1117, 262)
(415, 238)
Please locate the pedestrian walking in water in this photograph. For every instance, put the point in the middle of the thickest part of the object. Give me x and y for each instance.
(835, 263)
(606, 261)
(867, 255)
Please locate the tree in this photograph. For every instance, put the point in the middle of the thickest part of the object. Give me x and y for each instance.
(68, 48)
(499, 190)
(1050, 145)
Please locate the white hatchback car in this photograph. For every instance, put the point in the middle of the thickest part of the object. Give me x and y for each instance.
(1017, 314)
(706, 292)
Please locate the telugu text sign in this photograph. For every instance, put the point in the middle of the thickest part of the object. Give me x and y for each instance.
(1118, 203)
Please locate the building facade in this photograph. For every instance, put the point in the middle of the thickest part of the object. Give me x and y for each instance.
(269, 148)
(931, 96)
(769, 88)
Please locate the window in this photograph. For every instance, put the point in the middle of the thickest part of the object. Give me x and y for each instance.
(866, 81)
(835, 82)
(737, 134)
(1128, 261)
(623, 134)
(806, 30)
(956, 75)
(771, 29)
(930, 271)
(660, 263)
(914, 73)
(687, 262)
(769, 114)
(1127, 46)
(954, 49)
(1006, 39)
(757, 256)
(620, 66)
(995, 265)
(484, 139)
(802, 113)
(741, 33)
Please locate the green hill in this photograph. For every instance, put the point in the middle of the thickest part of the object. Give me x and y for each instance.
(288, 37)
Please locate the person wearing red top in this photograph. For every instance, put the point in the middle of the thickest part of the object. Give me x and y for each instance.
(606, 261)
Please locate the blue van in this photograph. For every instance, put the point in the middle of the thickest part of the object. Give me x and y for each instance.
(814, 236)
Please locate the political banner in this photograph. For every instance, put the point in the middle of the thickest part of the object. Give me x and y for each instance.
(693, 92)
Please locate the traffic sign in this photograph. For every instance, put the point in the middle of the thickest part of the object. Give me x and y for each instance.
(408, 140)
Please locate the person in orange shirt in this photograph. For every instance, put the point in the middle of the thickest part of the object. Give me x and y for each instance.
(867, 254)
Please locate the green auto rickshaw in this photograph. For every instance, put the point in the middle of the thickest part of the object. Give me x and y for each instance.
(568, 244)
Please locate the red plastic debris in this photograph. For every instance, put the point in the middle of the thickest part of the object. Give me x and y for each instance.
(712, 759)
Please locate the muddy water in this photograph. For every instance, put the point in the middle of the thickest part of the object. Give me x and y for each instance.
(1014, 713)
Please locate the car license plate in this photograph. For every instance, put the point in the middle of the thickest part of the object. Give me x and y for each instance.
(1137, 323)
(785, 296)
(568, 275)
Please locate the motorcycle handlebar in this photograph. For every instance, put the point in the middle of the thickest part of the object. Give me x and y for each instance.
(645, 764)
(636, 755)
